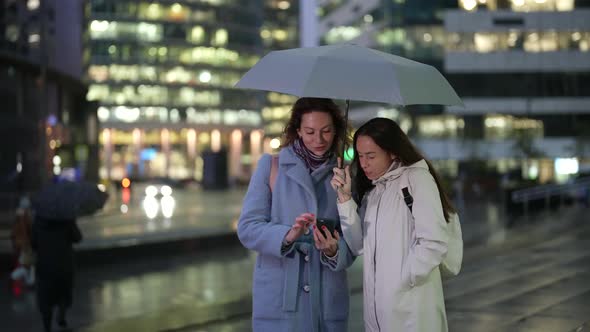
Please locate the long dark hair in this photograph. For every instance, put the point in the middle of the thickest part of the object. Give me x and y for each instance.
(390, 137)
(307, 105)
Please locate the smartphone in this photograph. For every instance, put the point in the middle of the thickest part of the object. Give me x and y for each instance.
(330, 224)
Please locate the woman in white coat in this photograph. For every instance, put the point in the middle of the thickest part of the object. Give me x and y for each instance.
(402, 248)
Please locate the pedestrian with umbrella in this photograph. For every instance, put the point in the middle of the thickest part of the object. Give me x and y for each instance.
(405, 226)
(351, 72)
(54, 232)
(299, 281)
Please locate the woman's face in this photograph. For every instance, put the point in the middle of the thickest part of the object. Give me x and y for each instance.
(317, 132)
(373, 159)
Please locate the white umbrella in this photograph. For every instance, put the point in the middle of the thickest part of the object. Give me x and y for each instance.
(350, 72)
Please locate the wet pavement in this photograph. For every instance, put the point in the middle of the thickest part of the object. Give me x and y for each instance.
(532, 277)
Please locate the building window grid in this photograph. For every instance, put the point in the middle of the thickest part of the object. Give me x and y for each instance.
(533, 41)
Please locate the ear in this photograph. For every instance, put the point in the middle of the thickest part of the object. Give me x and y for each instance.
(299, 132)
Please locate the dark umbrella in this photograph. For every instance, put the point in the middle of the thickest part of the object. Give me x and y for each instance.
(68, 200)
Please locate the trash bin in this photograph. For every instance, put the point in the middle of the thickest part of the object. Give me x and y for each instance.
(215, 172)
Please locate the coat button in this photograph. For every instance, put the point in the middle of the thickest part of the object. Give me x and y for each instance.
(306, 258)
(306, 288)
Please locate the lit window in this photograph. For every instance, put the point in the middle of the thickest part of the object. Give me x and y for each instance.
(97, 92)
(265, 34)
(280, 35)
(197, 34)
(485, 42)
(12, 33)
(341, 34)
(34, 38)
(98, 73)
(32, 4)
(149, 32)
(564, 5)
(469, 4)
(178, 12)
(284, 5)
(154, 11)
(220, 38)
(103, 113)
(205, 76)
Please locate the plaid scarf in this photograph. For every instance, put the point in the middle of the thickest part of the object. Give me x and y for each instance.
(312, 161)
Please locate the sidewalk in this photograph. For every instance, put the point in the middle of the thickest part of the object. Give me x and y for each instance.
(183, 288)
(526, 279)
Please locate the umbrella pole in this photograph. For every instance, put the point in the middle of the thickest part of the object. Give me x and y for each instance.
(345, 132)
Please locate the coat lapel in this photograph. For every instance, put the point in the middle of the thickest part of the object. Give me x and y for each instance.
(298, 173)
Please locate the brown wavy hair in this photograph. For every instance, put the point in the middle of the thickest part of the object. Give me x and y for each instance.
(307, 105)
(387, 134)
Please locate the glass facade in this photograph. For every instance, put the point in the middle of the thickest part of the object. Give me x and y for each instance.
(533, 132)
(417, 30)
(163, 73)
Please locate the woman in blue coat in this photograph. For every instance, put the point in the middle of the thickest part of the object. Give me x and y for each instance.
(299, 279)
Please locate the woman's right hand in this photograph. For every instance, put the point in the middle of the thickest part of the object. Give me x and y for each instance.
(300, 227)
(341, 182)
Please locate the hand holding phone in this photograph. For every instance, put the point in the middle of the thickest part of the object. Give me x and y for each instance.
(326, 243)
(330, 224)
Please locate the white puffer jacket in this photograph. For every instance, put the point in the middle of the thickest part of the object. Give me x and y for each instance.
(401, 278)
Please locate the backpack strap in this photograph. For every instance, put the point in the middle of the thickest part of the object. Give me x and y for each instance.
(408, 198)
(274, 169)
(405, 184)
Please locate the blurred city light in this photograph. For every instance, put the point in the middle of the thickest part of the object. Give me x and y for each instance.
(151, 191)
(167, 203)
(125, 183)
(275, 143)
(166, 191)
(566, 166)
(124, 208)
(126, 195)
(151, 206)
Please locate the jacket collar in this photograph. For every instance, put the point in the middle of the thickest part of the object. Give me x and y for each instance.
(396, 172)
(296, 170)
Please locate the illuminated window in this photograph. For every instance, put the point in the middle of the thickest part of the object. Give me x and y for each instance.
(284, 5)
(220, 38)
(485, 42)
(149, 32)
(178, 12)
(506, 126)
(98, 73)
(280, 34)
(342, 34)
(197, 35)
(32, 4)
(12, 32)
(152, 11)
(518, 5)
(97, 92)
(439, 126)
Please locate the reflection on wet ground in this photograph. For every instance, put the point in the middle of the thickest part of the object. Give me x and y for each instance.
(540, 279)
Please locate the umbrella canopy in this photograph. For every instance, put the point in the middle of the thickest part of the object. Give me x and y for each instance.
(350, 72)
(68, 200)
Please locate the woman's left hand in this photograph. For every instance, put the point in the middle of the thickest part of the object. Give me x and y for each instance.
(327, 244)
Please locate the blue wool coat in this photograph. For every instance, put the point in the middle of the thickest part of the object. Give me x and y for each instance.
(297, 290)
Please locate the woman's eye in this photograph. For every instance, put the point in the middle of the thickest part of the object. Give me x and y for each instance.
(309, 133)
